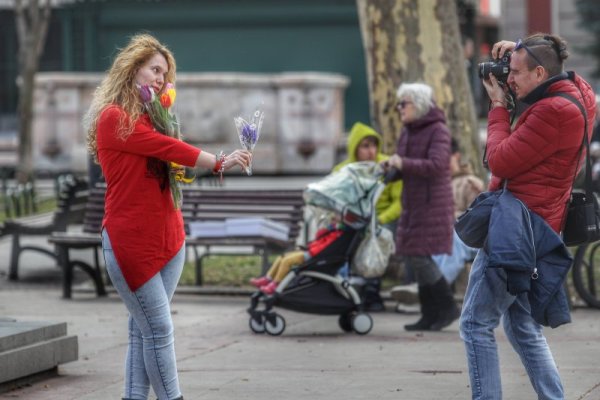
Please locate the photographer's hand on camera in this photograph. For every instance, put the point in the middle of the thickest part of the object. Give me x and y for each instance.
(495, 91)
(498, 90)
(502, 47)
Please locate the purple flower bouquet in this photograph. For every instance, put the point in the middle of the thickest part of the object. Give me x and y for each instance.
(249, 132)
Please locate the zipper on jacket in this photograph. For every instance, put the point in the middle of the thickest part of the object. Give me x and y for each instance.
(534, 274)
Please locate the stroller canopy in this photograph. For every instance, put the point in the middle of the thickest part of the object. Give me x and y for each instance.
(353, 189)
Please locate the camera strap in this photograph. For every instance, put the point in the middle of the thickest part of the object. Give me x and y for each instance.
(584, 142)
(589, 191)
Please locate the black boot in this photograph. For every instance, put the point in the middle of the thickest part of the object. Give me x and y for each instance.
(428, 311)
(372, 299)
(443, 299)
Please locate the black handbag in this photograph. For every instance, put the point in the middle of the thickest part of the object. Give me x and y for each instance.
(582, 223)
(583, 220)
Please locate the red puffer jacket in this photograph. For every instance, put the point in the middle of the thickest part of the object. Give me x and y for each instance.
(539, 157)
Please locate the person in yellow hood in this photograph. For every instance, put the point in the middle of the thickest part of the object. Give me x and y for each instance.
(364, 144)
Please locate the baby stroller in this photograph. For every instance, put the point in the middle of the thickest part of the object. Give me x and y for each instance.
(315, 286)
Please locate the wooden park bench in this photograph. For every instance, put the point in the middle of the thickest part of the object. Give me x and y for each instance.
(199, 204)
(72, 197)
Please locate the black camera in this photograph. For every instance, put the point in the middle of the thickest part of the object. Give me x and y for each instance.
(500, 68)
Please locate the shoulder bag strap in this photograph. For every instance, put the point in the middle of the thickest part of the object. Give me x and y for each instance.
(589, 193)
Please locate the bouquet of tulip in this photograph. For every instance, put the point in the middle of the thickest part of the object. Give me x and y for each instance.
(249, 132)
(164, 121)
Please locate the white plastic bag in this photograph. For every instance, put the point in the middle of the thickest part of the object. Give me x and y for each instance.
(373, 253)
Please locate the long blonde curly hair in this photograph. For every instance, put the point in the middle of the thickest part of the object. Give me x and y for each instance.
(119, 86)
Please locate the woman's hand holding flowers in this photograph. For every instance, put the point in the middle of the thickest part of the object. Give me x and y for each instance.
(243, 158)
(249, 132)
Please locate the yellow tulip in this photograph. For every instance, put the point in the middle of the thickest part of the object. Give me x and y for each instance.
(180, 173)
(172, 94)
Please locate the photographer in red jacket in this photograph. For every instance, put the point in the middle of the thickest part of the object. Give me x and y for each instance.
(537, 160)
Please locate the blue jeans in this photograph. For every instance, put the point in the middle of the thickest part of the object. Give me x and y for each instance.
(486, 300)
(151, 351)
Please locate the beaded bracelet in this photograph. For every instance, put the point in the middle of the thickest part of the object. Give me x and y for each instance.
(219, 165)
(500, 102)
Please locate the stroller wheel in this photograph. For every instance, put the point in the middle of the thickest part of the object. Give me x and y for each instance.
(274, 324)
(345, 322)
(257, 324)
(362, 323)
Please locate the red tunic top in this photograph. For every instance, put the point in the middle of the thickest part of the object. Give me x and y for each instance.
(145, 229)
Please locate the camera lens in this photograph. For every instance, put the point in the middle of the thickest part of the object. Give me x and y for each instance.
(484, 70)
(499, 69)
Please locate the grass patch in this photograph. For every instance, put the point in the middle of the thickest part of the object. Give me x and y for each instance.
(236, 271)
(45, 205)
(233, 271)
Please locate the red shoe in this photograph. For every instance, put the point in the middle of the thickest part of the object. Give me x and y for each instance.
(258, 282)
(269, 288)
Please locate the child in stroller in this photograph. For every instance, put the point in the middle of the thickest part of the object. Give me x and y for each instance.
(283, 264)
(315, 286)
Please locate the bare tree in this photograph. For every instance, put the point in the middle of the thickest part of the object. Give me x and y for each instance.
(417, 40)
(32, 19)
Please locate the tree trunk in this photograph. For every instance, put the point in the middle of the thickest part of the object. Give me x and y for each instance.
(417, 41)
(32, 19)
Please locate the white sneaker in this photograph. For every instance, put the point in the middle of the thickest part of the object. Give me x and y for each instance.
(408, 308)
(407, 294)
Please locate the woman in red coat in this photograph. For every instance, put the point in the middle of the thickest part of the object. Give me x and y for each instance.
(422, 160)
(142, 231)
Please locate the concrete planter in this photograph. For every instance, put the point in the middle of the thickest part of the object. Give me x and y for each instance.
(304, 114)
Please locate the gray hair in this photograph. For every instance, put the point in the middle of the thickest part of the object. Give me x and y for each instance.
(420, 94)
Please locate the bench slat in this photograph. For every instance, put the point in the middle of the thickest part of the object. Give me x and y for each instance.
(200, 204)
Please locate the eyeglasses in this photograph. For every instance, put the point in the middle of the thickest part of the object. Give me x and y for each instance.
(521, 45)
(403, 103)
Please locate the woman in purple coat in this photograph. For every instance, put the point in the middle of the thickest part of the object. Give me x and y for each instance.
(422, 160)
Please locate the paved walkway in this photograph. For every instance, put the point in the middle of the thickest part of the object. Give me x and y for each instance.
(219, 358)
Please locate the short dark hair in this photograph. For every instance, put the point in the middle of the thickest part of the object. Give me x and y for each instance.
(371, 139)
(551, 51)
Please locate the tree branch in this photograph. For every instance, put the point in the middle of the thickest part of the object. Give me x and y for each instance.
(21, 23)
(43, 27)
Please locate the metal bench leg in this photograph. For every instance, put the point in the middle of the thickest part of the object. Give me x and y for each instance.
(199, 278)
(67, 267)
(98, 278)
(13, 269)
(198, 263)
(265, 261)
(93, 273)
